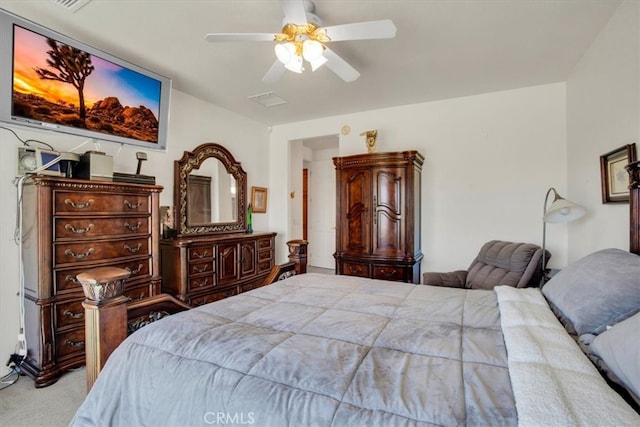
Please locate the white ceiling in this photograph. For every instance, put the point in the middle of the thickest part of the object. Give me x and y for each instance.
(443, 48)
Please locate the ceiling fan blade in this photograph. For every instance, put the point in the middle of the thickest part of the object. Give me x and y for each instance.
(294, 11)
(240, 37)
(275, 72)
(339, 66)
(384, 29)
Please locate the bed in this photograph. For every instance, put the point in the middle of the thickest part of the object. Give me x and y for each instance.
(340, 350)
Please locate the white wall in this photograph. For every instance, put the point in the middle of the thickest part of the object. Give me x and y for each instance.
(294, 187)
(603, 95)
(192, 122)
(489, 162)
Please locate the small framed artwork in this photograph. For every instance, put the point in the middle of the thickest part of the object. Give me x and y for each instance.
(259, 199)
(615, 179)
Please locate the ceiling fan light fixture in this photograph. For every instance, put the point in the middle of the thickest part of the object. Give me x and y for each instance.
(285, 52)
(311, 50)
(317, 62)
(295, 64)
(303, 38)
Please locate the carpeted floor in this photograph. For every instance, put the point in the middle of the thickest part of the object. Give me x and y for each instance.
(312, 269)
(21, 404)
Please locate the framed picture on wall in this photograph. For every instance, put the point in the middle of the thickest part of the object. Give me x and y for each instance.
(615, 179)
(259, 199)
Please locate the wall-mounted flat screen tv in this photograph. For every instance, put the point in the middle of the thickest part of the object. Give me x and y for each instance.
(53, 82)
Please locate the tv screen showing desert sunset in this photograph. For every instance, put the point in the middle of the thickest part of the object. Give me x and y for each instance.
(57, 83)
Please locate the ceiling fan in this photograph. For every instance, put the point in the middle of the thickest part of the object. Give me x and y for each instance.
(303, 38)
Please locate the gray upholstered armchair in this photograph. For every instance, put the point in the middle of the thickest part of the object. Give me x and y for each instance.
(498, 263)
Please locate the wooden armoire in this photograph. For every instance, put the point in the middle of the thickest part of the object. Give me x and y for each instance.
(378, 215)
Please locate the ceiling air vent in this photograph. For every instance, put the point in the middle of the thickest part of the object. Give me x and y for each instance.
(71, 5)
(268, 99)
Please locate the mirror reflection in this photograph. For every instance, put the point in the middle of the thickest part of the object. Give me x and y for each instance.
(212, 194)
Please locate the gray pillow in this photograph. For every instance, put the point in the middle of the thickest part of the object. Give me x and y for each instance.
(596, 291)
(619, 349)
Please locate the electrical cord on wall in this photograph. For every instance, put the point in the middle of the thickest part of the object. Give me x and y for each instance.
(21, 345)
(26, 142)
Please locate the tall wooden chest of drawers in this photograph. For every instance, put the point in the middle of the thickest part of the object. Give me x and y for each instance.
(203, 269)
(70, 226)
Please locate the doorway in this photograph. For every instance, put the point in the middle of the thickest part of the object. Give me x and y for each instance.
(319, 199)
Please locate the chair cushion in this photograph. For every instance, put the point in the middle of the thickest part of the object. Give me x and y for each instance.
(452, 279)
(505, 263)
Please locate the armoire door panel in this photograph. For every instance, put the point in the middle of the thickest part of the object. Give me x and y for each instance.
(388, 235)
(356, 233)
(388, 190)
(356, 237)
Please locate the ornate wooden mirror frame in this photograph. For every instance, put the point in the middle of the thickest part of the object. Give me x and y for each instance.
(190, 161)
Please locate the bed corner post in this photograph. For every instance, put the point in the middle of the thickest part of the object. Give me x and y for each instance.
(298, 254)
(634, 207)
(105, 310)
(105, 328)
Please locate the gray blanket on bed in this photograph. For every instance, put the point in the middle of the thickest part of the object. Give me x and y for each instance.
(314, 350)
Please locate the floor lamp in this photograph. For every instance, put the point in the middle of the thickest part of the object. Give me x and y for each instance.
(561, 210)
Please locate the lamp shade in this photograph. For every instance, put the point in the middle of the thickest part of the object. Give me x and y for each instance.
(317, 62)
(311, 49)
(285, 52)
(295, 64)
(562, 210)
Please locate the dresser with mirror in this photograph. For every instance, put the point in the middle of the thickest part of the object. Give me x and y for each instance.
(212, 255)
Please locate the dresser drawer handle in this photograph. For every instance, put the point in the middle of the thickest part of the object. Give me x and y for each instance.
(388, 273)
(133, 227)
(205, 282)
(70, 253)
(71, 279)
(200, 270)
(204, 255)
(133, 250)
(74, 343)
(79, 230)
(73, 315)
(136, 271)
(132, 205)
(78, 205)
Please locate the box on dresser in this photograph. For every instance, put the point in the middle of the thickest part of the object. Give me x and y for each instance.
(70, 226)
